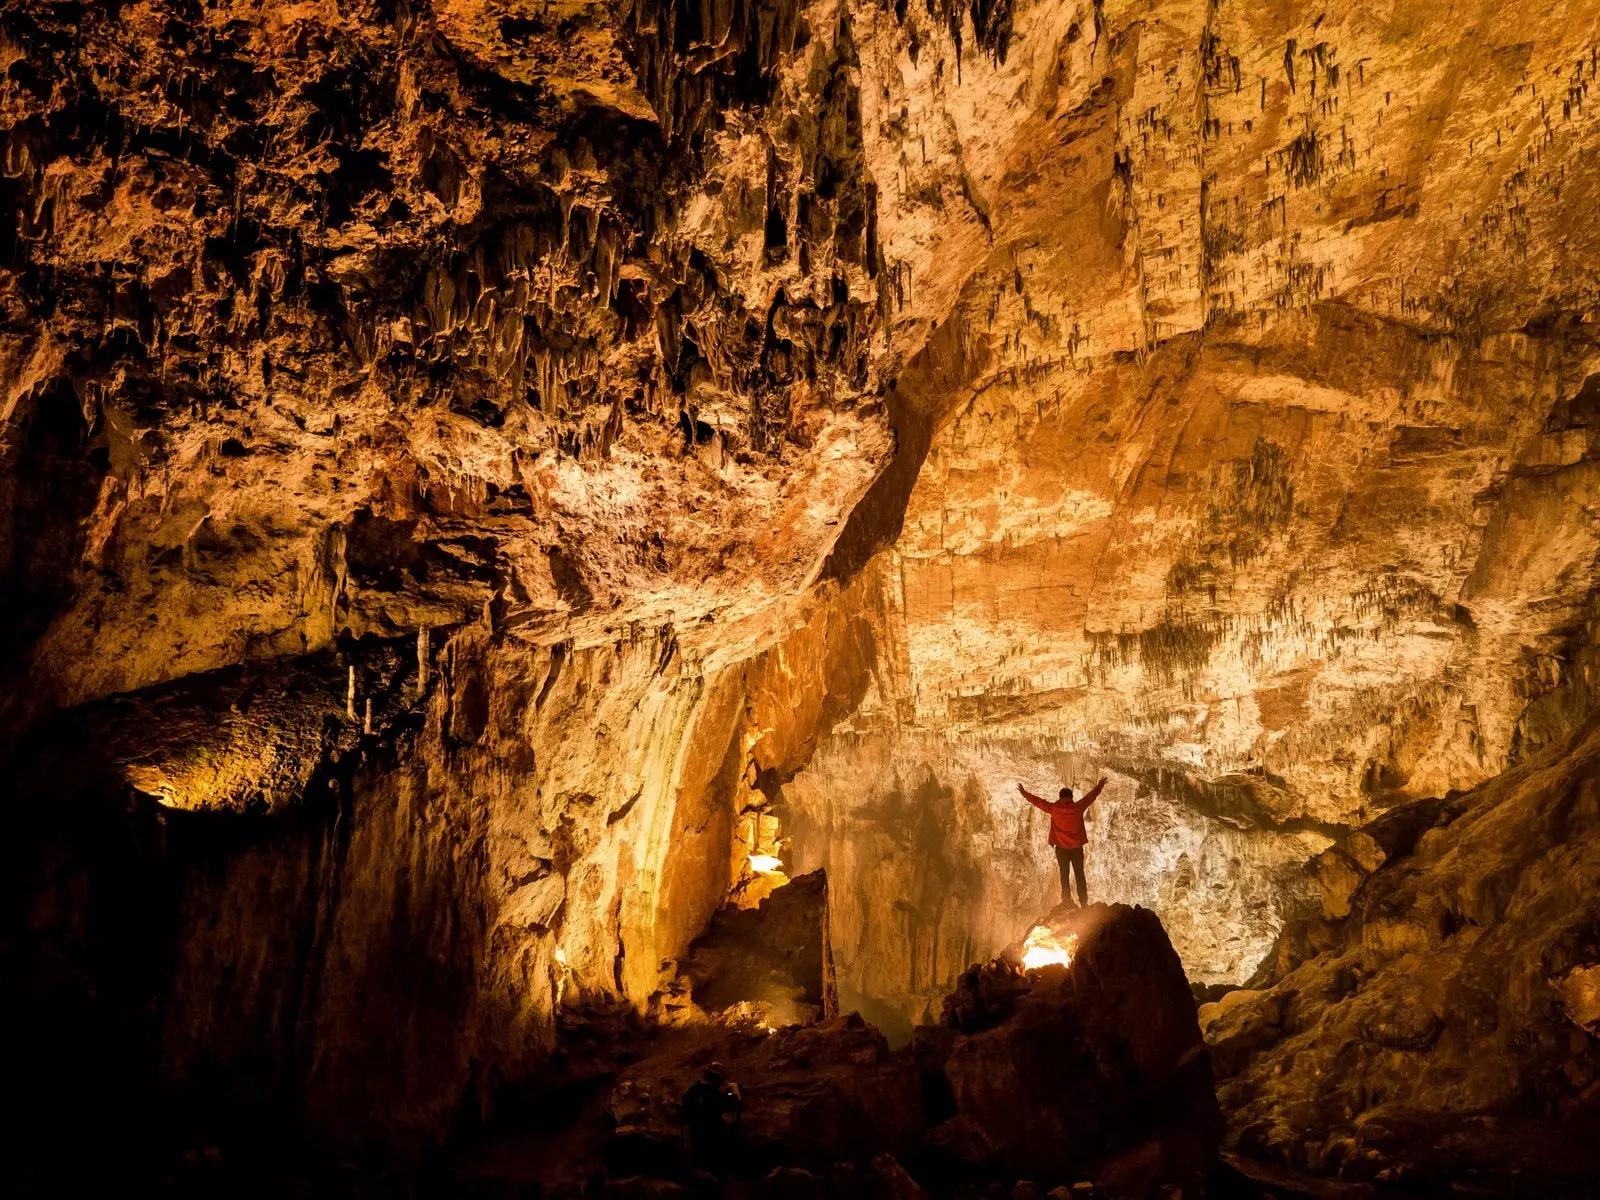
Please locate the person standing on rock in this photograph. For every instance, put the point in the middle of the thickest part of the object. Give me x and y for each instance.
(1067, 834)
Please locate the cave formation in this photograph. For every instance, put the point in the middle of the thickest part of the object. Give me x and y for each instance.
(525, 522)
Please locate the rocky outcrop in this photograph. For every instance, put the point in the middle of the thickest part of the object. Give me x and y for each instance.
(1440, 1030)
(1091, 1070)
(770, 964)
(1035, 1080)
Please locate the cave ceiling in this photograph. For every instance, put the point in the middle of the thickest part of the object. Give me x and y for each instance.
(1206, 385)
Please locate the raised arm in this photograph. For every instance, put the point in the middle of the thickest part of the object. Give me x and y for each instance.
(1094, 794)
(1036, 801)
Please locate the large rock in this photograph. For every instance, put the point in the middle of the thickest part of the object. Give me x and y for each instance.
(1220, 380)
(813, 1095)
(1447, 1032)
(1059, 1072)
(774, 958)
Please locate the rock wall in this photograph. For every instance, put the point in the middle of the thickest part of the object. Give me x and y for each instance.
(1441, 1029)
(1234, 578)
(399, 942)
(937, 863)
(1257, 476)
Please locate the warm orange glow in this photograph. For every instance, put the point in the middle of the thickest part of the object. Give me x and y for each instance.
(1040, 949)
(765, 864)
(563, 975)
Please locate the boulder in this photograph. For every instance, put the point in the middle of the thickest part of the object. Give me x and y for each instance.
(1051, 1074)
(813, 1095)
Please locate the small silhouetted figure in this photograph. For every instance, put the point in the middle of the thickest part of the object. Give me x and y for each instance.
(1067, 834)
(712, 1108)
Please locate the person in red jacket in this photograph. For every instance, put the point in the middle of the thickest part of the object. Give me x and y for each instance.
(1067, 834)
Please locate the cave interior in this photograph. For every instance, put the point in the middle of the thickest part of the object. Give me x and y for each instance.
(542, 540)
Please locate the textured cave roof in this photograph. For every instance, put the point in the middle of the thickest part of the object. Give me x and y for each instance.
(578, 318)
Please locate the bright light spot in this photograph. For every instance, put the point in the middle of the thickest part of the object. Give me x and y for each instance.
(1040, 949)
(563, 976)
(765, 864)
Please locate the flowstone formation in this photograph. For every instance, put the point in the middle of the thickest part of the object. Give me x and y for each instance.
(487, 485)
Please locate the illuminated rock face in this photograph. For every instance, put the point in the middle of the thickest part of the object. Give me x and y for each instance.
(1442, 1027)
(702, 426)
(1243, 583)
(1121, 1014)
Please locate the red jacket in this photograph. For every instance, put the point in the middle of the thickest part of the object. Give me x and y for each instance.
(1066, 817)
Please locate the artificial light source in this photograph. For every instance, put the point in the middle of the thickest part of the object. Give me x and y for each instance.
(1041, 949)
(766, 864)
(563, 975)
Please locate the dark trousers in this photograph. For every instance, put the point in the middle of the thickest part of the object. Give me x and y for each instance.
(1068, 861)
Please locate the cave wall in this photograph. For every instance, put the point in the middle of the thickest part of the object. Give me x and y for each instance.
(1442, 1027)
(1258, 478)
(1269, 621)
(760, 421)
(936, 863)
(1311, 552)
(504, 333)
(537, 827)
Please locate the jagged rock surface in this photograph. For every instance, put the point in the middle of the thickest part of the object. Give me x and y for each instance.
(1442, 1030)
(1050, 1077)
(1080, 1071)
(773, 961)
(1266, 491)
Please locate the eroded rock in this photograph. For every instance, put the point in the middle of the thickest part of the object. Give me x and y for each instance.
(1442, 1031)
(1060, 1072)
(772, 962)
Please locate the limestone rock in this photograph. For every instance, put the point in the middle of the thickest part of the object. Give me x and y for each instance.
(813, 1095)
(1058, 1071)
(774, 957)
(786, 422)
(1443, 1033)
